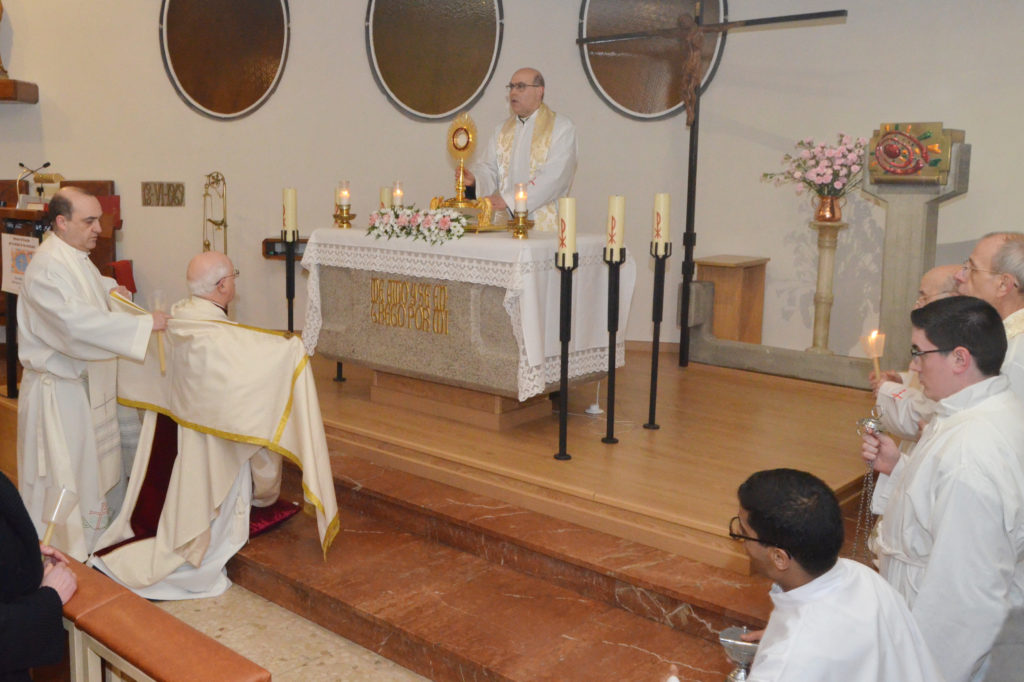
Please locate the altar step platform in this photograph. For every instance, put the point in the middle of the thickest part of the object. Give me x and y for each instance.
(466, 553)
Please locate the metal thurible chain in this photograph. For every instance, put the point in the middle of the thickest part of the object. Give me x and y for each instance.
(865, 519)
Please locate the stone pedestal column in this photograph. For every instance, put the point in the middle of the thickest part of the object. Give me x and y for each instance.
(828, 235)
(911, 223)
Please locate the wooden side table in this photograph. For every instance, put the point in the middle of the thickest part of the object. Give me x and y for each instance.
(739, 295)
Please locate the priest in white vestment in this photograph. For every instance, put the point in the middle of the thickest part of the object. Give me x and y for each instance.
(951, 538)
(68, 342)
(994, 272)
(833, 619)
(240, 398)
(535, 146)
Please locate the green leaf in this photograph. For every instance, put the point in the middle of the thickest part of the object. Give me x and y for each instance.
(934, 162)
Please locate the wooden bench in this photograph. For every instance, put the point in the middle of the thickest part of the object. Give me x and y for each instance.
(107, 622)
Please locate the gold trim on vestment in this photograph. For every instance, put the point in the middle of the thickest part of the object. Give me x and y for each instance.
(334, 524)
(291, 397)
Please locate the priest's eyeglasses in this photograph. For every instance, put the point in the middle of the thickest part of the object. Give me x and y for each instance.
(917, 352)
(971, 267)
(734, 528)
(519, 87)
(235, 273)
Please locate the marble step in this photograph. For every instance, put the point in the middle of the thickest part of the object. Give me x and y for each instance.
(457, 586)
(667, 588)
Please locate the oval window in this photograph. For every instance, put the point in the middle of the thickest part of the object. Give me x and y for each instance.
(433, 59)
(639, 71)
(224, 57)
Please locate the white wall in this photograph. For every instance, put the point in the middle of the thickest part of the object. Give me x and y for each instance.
(107, 110)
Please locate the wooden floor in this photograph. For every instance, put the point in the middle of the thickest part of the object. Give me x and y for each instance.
(672, 488)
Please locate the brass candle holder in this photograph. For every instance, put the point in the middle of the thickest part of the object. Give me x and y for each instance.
(343, 217)
(520, 225)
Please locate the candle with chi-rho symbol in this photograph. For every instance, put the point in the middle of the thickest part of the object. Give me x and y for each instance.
(660, 234)
(616, 228)
(385, 197)
(874, 346)
(289, 221)
(397, 195)
(566, 231)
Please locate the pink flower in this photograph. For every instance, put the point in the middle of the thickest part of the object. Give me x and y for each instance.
(444, 223)
(403, 220)
(838, 184)
(805, 154)
(373, 218)
(855, 168)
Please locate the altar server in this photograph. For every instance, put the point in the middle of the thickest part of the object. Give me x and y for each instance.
(951, 538)
(834, 619)
(68, 342)
(233, 400)
(534, 146)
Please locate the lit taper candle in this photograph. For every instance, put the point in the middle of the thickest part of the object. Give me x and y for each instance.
(344, 198)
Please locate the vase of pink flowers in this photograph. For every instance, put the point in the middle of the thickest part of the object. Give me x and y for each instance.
(829, 171)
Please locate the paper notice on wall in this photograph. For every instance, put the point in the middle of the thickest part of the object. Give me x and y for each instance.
(17, 251)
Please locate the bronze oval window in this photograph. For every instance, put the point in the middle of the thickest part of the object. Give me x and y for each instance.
(643, 77)
(433, 59)
(224, 57)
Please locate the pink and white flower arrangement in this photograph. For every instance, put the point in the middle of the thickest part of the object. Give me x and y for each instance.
(828, 171)
(432, 226)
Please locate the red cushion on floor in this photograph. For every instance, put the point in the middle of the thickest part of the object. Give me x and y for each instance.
(262, 519)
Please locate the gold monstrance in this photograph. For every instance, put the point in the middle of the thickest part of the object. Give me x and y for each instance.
(461, 142)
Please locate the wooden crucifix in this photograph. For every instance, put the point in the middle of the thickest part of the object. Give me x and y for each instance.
(693, 46)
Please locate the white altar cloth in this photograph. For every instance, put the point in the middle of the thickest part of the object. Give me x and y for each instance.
(524, 268)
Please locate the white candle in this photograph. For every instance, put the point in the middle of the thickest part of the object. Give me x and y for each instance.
(344, 198)
(290, 208)
(397, 195)
(385, 197)
(660, 235)
(566, 230)
(520, 197)
(616, 227)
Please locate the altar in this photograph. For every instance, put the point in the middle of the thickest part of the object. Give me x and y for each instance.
(480, 313)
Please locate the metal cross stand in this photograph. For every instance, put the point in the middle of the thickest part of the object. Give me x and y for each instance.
(657, 307)
(564, 335)
(614, 261)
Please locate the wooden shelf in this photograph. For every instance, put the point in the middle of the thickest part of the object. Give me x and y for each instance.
(18, 91)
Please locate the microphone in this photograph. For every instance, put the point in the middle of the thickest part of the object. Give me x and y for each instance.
(29, 171)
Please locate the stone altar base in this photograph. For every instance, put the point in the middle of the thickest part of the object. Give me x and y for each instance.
(476, 408)
(425, 328)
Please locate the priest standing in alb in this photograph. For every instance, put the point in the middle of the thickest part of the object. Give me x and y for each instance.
(534, 146)
(68, 343)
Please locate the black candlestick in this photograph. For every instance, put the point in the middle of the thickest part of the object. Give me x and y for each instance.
(614, 263)
(289, 238)
(657, 308)
(564, 335)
